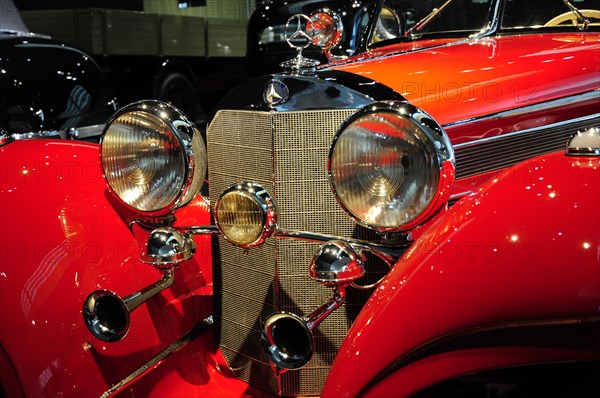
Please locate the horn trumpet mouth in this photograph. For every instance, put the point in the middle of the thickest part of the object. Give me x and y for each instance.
(287, 340)
(106, 314)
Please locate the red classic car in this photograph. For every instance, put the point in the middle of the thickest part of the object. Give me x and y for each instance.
(420, 218)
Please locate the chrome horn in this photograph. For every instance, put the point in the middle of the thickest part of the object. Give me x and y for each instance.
(106, 314)
(287, 338)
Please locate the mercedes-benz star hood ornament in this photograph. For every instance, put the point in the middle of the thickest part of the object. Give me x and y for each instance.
(299, 33)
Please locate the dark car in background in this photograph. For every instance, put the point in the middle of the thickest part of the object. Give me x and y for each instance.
(267, 46)
(48, 86)
(188, 54)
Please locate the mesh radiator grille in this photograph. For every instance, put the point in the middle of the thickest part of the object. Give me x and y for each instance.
(287, 154)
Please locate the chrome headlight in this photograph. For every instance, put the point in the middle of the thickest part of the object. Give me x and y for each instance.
(391, 166)
(327, 29)
(245, 214)
(153, 157)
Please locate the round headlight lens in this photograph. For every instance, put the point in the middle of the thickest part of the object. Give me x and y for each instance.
(245, 215)
(153, 158)
(390, 166)
(327, 28)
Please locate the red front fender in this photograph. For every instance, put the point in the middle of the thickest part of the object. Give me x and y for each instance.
(61, 239)
(522, 251)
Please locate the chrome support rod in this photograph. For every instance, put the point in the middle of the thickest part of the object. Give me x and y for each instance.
(425, 21)
(581, 19)
(339, 296)
(199, 230)
(157, 360)
(389, 252)
(136, 299)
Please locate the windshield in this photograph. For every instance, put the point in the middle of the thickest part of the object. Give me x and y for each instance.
(407, 20)
(412, 20)
(520, 14)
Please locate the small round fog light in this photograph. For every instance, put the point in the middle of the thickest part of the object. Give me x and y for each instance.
(245, 214)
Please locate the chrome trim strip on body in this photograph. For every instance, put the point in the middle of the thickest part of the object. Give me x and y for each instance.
(39, 134)
(20, 33)
(84, 132)
(526, 131)
(510, 149)
(75, 133)
(157, 360)
(557, 103)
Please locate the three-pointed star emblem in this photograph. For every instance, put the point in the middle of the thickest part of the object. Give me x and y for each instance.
(276, 93)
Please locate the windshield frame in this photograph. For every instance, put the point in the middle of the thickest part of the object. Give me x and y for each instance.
(492, 23)
(492, 26)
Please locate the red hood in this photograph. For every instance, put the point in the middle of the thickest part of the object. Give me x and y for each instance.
(465, 79)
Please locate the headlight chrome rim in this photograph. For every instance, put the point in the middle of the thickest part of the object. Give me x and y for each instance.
(263, 204)
(179, 136)
(437, 143)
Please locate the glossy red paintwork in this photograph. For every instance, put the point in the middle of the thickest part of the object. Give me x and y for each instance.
(466, 79)
(444, 366)
(524, 248)
(67, 244)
